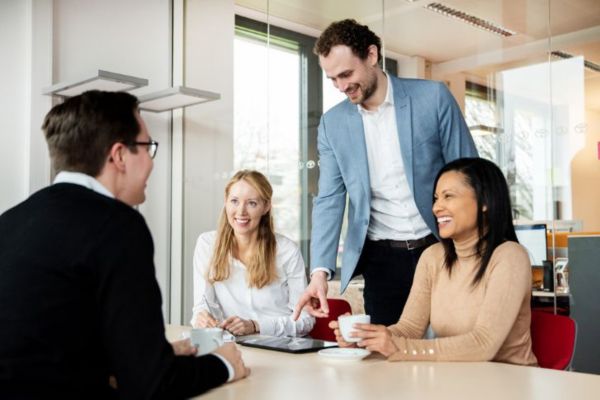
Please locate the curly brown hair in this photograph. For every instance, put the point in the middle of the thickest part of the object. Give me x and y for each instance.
(349, 33)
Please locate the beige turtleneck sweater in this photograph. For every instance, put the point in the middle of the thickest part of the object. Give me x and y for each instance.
(488, 322)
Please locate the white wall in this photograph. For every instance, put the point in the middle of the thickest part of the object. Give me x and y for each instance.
(50, 41)
(44, 42)
(130, 37)
(208, 157)
(14, 39)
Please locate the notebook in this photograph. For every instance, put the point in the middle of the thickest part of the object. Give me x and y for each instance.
(286, 344)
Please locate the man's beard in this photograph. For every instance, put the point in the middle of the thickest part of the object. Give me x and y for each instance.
(367, 91)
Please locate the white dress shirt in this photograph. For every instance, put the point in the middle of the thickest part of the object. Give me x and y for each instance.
(79, 178)
(394, 213)
(271, 305)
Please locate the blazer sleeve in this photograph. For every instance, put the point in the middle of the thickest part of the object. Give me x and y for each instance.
(328, 206)
(132, 328)
(455, 136)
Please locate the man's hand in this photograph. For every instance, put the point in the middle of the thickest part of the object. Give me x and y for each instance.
(231, 353)
(183, 348)
(314, 297)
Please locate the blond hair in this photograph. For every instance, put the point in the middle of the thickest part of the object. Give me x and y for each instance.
(261, 268)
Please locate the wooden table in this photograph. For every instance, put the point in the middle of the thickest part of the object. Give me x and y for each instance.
(282, 376)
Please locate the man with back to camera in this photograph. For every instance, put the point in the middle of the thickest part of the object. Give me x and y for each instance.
(382, 148)
(79, 300)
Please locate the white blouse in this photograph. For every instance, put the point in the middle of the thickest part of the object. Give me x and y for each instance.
(271, 305)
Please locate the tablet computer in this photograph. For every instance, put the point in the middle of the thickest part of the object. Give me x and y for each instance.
(286, 344)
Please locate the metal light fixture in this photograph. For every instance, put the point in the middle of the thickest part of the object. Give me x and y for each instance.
(484, 130)
(470, 19)
(175, 97)
(105, 80)
(592, 66)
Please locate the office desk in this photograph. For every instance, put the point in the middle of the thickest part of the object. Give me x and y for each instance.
(541, 293)
(282, 376)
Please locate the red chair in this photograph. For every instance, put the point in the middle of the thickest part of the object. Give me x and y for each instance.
(553, 339)
(321, 330)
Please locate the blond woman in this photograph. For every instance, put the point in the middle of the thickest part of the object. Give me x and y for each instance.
(247, 278)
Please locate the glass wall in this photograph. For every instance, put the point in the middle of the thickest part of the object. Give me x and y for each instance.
(275, 81)
(526, 74)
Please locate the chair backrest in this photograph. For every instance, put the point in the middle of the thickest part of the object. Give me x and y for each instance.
(321, 330)
(553, 339)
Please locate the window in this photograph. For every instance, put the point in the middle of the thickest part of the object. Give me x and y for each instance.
(280, 95)
(277, 108)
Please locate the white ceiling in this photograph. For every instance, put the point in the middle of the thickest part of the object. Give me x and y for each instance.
(407, 28)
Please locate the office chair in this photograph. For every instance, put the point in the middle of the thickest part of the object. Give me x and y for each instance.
(321, 330)
(553, 339)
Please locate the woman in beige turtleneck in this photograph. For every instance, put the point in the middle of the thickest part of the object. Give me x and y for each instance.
(474, 287)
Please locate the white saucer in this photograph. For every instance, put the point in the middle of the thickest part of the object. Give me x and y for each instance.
(349, 353)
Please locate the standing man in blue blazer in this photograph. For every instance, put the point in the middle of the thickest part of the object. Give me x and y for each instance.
(380, 150)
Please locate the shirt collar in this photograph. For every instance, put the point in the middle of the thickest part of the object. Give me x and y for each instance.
(79, 178)
(389, 97)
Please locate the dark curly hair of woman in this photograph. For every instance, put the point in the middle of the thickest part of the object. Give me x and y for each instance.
(349, 33)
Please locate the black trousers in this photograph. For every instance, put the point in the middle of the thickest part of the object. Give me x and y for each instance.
(388, 274)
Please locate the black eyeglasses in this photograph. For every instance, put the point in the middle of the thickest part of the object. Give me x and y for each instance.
(152, 146)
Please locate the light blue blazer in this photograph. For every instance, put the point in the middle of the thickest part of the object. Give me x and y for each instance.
(431, 131)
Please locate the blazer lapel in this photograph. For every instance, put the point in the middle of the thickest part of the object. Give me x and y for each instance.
(405, 132)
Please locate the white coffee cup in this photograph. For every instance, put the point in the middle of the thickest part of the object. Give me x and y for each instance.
(206, 339)
(346, 323)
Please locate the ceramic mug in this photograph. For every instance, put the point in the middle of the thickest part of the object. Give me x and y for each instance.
(206, 340)
(346, 323)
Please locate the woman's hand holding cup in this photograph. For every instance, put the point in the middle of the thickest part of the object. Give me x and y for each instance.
(345, 330)
(338, 336)
(376, 338)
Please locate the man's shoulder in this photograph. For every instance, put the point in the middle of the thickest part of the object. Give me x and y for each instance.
(416, 84)
(67, 201)
(341, 108)
(89, 201)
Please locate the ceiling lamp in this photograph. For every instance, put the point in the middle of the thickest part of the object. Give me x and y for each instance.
(175, 97)
(470, 19)
(105, 80)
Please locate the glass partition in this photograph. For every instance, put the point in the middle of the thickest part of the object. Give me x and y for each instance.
(526, 74)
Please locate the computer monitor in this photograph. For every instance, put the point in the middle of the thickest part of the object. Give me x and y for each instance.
(533, 238)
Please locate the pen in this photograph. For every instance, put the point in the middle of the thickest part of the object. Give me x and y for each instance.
(214, 314)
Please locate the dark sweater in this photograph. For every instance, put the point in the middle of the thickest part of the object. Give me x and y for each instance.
(79, 302)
